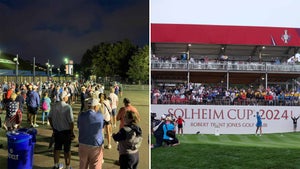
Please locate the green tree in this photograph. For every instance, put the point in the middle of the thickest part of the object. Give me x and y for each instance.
(108, 59)
(139, 66)
(86, 63)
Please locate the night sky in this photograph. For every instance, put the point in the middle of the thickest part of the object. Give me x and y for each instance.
(55, 29)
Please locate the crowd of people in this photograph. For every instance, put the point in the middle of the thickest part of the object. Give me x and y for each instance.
(98, 115)
(218, 95)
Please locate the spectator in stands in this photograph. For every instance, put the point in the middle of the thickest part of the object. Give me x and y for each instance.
(218, 95)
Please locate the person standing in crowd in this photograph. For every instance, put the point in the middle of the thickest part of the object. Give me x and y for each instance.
(33, 102)
(295, 122)
(170, 141)
(107, 118)
(76, 87)
(122, 111)
(158, 132)
(57, 92)
(180, 123)
(12, 107)
(129, 138)
(116, 89)
(83, 96)
(258, 124)
(62, 122)
(101, 88)
(96, 92)
(90, 136)
(120, 91)
(45, 106)
(51, 91)
(114, 103)
(20, 99)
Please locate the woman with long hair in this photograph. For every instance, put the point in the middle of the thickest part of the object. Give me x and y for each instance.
(107, 118)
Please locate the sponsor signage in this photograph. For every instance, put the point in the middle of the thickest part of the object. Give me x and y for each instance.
(230, 119)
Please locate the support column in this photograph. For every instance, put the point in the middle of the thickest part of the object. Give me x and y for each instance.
(227, 80)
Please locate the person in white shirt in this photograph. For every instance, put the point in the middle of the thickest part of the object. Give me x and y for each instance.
(114, 103)
(105, 104)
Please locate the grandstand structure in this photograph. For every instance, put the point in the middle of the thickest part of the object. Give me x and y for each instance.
(228, 55)
(225, 55)
(264, 60)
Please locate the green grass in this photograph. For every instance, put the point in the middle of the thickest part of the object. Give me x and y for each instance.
(270, 151)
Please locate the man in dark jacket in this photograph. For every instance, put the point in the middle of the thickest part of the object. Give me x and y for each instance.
(158, 132)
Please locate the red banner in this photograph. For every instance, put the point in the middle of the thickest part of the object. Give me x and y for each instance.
(217, 34)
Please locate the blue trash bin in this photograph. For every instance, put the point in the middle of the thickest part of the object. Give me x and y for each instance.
(19, 150)
(33, 133)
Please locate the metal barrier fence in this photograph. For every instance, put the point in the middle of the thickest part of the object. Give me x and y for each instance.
(23, 79)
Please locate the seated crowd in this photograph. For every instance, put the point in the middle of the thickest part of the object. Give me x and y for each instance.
(217, 95)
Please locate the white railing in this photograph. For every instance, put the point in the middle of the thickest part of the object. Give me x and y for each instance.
(228, 66)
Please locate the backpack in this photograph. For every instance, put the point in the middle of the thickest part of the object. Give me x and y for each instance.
(44, 105)
(133, 141)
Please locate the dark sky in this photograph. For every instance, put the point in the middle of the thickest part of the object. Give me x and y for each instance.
(54, 29)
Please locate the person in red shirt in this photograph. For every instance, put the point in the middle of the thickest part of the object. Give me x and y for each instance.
(127, 107)
(180, 122)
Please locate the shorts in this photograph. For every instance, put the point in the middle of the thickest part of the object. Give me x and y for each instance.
(62, 138)
(114, 112)
(106, 123)
(179, 126)
(32, 110)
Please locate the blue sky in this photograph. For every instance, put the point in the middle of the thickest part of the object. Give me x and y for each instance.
(228, 12)
(54, 29)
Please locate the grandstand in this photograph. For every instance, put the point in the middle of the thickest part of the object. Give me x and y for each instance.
(226, 61)
(236, 54)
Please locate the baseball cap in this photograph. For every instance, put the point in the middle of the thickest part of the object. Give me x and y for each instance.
(168, 118)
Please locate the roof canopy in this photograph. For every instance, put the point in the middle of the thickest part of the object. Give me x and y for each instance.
(217, 34)
(233, 41)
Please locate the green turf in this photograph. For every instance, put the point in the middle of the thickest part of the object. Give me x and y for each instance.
(270, 151)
